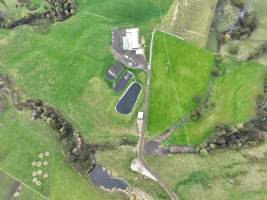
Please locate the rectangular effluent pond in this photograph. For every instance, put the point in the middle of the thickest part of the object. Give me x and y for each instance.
(129, 99)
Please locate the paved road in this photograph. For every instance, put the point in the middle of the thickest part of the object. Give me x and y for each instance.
(141, 143)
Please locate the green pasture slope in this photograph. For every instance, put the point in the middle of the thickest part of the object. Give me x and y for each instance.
(66, 66)
(235, 94)
(21, 142)
(6, 183)
(6, 189)
(231, 175)
(186, 74)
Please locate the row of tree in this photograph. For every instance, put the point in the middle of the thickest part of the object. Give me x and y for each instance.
(80, 154)
(238, 3)
(60, 10)
(251, 133)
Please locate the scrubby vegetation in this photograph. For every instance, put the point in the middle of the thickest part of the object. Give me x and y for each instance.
(246, 134)
(220, 175)
(229, 103)
(238, 3)
(190, 20)
(80, 153)
(242, 24)
(57, 11)
(246, 24)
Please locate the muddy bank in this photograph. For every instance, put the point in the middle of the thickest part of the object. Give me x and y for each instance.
(154, 148)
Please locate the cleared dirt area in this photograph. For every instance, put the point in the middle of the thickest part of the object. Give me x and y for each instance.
(190, 19)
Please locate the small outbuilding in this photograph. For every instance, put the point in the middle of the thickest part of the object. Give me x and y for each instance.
(140, 116)
(115, 71)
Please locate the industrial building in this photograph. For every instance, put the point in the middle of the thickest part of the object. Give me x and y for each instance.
(127, 48)
(131, 40)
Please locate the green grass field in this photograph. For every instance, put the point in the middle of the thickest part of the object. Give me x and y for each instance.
(190, 19)
(234, 96)
(66, 66)
(186, 73)
(21, 142)
(7, 191)
(21, 145)
(6, 184)
(222, 175)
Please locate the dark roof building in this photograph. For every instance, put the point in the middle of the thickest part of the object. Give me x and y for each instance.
(115, 71)
(124, 80)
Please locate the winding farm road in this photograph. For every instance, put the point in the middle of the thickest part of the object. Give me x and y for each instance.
(140, 152)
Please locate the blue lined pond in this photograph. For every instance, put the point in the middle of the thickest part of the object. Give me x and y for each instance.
(129, 99)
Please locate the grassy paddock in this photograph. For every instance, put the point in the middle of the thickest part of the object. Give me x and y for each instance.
(187, 71)
(66, 67)
(6, 184)
(221, 175)
(191, 19)
(234, 96)
(6, 190)
(21, 142)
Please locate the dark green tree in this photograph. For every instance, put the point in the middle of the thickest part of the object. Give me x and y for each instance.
(238, 3)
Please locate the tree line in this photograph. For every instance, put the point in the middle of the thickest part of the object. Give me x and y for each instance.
(80, 153)
(60, 10)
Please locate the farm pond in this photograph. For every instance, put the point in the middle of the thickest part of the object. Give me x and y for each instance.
(129, 99)
(102, 178)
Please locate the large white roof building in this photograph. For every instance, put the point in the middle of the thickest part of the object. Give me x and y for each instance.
(131, 40)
